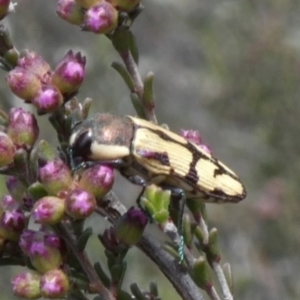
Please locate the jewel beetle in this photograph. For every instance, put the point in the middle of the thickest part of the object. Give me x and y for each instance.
(146, 153)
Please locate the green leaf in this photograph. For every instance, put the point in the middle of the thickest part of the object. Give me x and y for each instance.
(187, 230)
(11, 57)
(3, 118)
(136, 291)
(86, 105)
(213, 251)
(76, 295)
(201, 273)
(45, 151)
(200, 237)
(137, 105)
(120, 40)
(117, 273)
(197, 208)
(169, 247)
(83, 239)
(148, 90)
(101, 274)
(133, 47)
(37, 191)
(20, 159)
(77, 226)
(124, 74)
(122, 295)
(33, 162)
(54, 121)
(228, 275)
(153, 289)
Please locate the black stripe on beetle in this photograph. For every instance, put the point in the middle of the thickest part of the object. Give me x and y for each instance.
(161, 157)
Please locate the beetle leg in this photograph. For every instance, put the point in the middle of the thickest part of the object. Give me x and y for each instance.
(140, 181)
(138, 201)
(136, 179)
(181, 194)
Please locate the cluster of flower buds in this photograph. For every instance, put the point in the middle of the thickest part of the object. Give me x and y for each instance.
(32, 80)
(20, 134)
(46, 252)
(98, 16)
(53, 284)
(42, 190)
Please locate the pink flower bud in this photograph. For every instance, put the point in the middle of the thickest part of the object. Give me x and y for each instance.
(80, 204)
(7, 150)
(55, 241)
(48, 210)
(69, 11)
(130, 227)
(48, 99)
(55, 176)
(54, 284)
(27, 285)
(69, 73)
(8, 203)
(26, 240)
(22, 128)
(101, 18)
(12, 219)
(44, 257)
(29, 237)
(15, 187)
(110, 241)
(23, 83)
(98, 180)
(31, 61)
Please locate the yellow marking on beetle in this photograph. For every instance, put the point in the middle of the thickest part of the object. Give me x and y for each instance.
(222, 182)
(151, 126)
(108, 152)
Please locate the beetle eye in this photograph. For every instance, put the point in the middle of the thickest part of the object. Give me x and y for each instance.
(82, 144)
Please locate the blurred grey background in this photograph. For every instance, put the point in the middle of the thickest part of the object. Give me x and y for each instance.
(230, 68)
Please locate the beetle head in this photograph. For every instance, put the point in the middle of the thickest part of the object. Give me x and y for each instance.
(102, 138)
